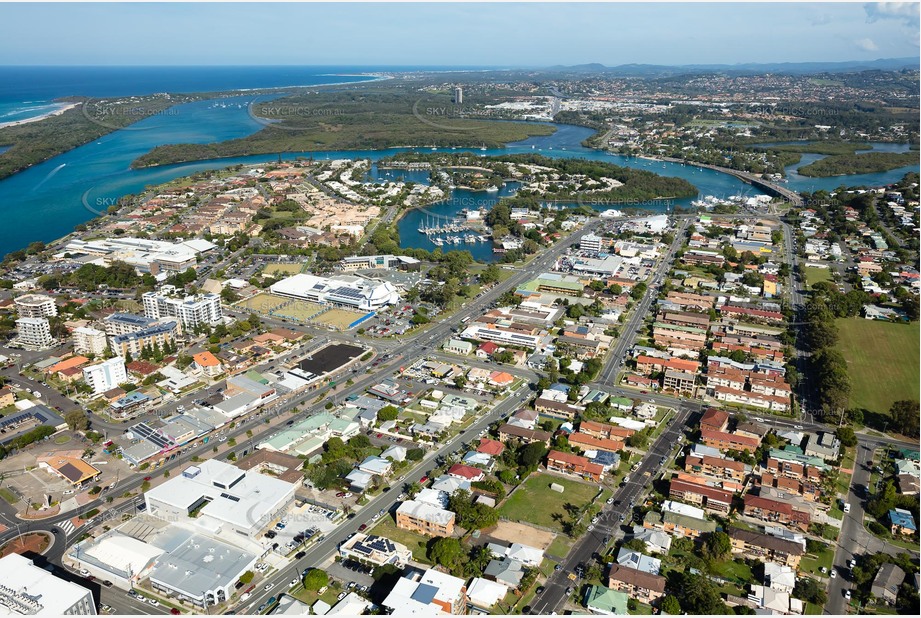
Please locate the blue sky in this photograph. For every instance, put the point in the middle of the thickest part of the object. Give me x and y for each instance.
(454, 34)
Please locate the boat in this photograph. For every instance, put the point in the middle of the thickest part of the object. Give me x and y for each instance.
(492, 189)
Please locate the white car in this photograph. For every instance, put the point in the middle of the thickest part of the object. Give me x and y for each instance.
(833, 574)
(847, 507)
(154, 602)
(294, 582)
(609, 501)
(268, 586)
(847, 594)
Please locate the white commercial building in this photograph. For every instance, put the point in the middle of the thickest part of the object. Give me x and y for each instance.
(497, 335)
(28, 590)
(191, 311)
(88, 340)
(342, 290)
(590, 242)
(34, 332)
(35, 306)
(144, 254)
(223, 497)
(105, 375)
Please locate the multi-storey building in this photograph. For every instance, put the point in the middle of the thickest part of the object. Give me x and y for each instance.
(105, 375)
(35, 306)
(425, 518)
(157, 334)
(34, 332)
(190, 311)
(28, 590)
(89, 341)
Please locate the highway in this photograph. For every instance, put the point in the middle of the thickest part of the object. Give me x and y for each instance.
(412, 349)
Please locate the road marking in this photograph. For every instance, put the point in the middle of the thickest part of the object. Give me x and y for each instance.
(67, 526)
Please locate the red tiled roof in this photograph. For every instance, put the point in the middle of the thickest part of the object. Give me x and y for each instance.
(490, 447)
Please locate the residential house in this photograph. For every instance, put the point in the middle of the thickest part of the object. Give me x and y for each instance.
(643, 587)
(757, 546)
(526, 436)
(887, 582)
(574, 464)
(902, 522)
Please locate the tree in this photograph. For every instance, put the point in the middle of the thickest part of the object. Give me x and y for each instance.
(315, 579)
(904, 416)
(530, 455)
(809, 590)
(846, 436)
(719, 545)
(415, 454)
(388, 413)
(77, 420)
(447, 552)
(670, 605)
(247, 577)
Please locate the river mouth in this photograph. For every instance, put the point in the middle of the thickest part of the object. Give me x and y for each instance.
(47, 201)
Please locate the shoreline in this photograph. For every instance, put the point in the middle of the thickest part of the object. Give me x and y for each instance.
(62, 107)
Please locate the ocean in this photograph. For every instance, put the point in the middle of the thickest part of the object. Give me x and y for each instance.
(26, 92)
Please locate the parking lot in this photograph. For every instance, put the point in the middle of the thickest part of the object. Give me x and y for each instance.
(302, 524)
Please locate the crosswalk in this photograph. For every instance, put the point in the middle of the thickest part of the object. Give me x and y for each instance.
(67, 526)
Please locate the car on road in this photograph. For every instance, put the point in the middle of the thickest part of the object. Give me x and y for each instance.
(557, 567)
(569, 591)
(851, 563)
(847, 507)
(610, 500)
(644, 392)
(268, 586)
(760, 420)
(622, 517)
(173, 611)
(423, 480)
(833, 574)
(797, 427)
(362, 527)
(294, 582)
(847, 594)
(261, 609)
(154, 602)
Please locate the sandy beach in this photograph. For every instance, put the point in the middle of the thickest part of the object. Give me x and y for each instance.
(57, 112)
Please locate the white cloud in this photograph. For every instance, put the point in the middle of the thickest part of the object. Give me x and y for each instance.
(906, 12)
(866, 45)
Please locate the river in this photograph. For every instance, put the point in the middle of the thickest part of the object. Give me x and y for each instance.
(46, 201)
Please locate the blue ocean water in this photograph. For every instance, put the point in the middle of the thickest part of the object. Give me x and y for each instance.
(26, 91)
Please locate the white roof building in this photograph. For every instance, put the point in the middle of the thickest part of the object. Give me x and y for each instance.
(426, 593)
(221, 495)
(28, 590)
(485, 593)
(683, 509)
(345, 290)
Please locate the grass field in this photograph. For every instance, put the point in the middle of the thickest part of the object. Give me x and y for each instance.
(816, 275)
(536, 503)
(8, 496)
(262, 302)
(282, 269)
(416, 543)
(300, 310)
(338, 318)
(882, 361)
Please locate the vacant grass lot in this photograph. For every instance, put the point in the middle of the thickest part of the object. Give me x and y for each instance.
(534, 502)
(815, 275)
(283, 269)
(882, 361)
